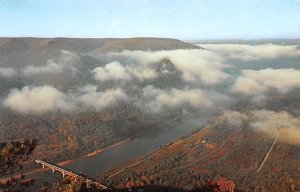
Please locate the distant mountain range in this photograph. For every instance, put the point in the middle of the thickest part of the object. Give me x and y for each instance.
(28, 51)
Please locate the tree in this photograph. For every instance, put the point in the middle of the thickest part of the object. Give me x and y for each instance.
(12, 157)
(225, 185)
(14, 154)
(70, 184)
(220, 185)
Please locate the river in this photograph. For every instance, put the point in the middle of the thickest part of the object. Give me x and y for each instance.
(139, 146)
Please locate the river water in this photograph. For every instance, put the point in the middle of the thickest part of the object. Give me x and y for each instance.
(140, 146)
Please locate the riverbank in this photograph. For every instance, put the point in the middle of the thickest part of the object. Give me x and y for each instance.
(99, 161)
(30, 173)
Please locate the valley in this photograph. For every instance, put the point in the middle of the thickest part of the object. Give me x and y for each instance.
(189, 162)
(154, 112)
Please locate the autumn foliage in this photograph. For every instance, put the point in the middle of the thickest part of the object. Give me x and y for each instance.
(221, 184)
(12, 157)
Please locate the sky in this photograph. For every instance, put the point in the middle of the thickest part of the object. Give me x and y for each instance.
(180, 19)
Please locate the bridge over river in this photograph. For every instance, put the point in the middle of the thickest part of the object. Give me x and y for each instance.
(64, 172)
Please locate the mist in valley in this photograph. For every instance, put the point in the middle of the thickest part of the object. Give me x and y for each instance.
(213, 77)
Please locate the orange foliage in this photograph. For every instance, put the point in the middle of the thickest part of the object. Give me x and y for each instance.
(225, 185)
(210, 145)
(221, 185)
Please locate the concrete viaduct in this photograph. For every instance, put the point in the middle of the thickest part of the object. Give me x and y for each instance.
(65, 173)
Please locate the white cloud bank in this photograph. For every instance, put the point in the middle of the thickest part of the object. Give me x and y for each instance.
(195, 65)
(234, 119)
(111, 71)
(142, 72)
(7, 72)
(156, 98)
(254, 52)
(287, 125)
(42, 99)
(99, 100)
(36, 100)
(64, 61)
(116, 72)
(50, 67)
(253, 82)
(267, 122)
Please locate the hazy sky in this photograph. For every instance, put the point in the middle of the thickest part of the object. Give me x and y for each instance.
(182, 19)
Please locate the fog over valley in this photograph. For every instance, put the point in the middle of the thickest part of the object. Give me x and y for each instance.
(213, 76)
(78, 96)
(149, 96)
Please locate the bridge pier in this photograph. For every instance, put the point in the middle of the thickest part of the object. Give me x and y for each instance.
(65, 173)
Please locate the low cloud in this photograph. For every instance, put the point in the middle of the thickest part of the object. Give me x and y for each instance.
(234, 119)
(267, 122)
(7, 72)
(115, 71)
(111, 71)
(193, 97)
(100, 100)
(64, 61)
(37, 100)
(142, 72)
(50, 67)
(253, 82)
(195, 65)
(155, 98)
(287, 125)
(254, 52)
(43, 99)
